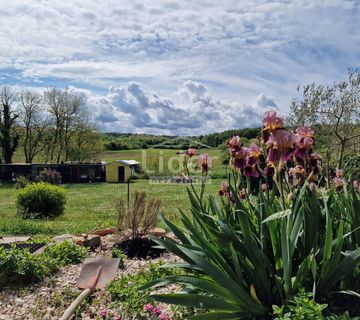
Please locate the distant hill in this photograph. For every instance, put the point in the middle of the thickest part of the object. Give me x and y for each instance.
(129, 141)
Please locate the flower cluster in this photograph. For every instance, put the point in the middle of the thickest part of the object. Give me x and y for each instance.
(107, 314)
(244, 159)
(204, 161)
(286, 151)
(285, 147)
(356, 185)
(225, 191)
(155, 312)
(339, 180)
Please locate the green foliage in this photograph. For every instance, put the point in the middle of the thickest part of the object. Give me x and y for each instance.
(126, 289)
(66, 253)
(118, 253)
(21, 182)
(302, 306)
(216, 139)
(40, 200)
(19, 266)
(9, 138)
(262, 250)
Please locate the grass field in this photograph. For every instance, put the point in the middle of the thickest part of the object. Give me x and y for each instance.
(164, 161)
(91, 206)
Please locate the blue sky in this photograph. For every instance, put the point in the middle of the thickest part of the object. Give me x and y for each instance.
(178, 67)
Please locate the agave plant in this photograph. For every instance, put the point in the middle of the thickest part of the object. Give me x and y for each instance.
(248, 253)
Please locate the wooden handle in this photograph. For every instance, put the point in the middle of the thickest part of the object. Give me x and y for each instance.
(69, 311)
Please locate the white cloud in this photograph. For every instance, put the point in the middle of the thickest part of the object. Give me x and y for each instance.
(129, 108)
(238, 49)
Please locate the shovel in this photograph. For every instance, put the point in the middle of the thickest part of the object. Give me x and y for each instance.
(95, 273)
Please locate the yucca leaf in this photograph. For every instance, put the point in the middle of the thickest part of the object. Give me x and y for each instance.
(207, 285)
(278, 215)
(217, 315)
(196, 300)
(346, 265)
(174, 229)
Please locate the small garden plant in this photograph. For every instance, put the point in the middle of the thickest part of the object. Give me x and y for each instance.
(40, 201)
(126, 289)
(140, 216)
(19, 266)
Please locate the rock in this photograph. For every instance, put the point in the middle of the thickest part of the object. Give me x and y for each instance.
(157, 232)
(62, 238)
(104, 232)
(92, 241)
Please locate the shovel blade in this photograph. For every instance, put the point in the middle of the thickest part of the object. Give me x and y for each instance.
(97, 272)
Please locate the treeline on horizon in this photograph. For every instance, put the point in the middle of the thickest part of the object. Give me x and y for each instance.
(129, 141)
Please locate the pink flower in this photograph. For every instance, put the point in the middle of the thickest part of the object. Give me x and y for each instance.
(224, 188)
(281, 144)
(191, 152)
(254, 151)
(271, 121)
(148, 307)
(117, 317)
(242, 193)
(164, 316)
(264, 187)
(234, 142)
(339, 173)
(204, 162)
(356, 184)
(305, 132)
(282, 140)
(156, 310)
(312, 186)
(103, 313)
(339, 183)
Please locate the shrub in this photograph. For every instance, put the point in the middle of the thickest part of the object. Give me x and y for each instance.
(252, 252)
(40, 200)
(49, 176)
(140, 216)
(21, 182)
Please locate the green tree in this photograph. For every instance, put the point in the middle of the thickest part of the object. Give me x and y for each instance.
(333, 110)
(9, 136)
(34, 123)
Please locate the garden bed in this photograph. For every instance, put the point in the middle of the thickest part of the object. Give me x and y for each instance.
(49, 298)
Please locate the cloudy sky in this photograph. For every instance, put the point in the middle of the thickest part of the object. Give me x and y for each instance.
(178, 67)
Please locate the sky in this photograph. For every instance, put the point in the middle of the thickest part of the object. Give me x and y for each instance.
(178, 67)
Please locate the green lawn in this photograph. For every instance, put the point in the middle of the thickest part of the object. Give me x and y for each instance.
(91, 206)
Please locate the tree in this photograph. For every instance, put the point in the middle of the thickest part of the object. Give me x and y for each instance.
(9, 136)
(65, 112)
(34, 124)
(85, 143)
(334, 110)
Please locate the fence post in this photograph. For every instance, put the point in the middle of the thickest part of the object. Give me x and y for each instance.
(128, 192)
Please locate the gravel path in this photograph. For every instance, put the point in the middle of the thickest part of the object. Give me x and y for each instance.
(48, 299)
